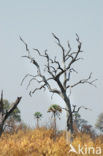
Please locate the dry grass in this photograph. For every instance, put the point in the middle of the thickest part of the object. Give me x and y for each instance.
(40, 142)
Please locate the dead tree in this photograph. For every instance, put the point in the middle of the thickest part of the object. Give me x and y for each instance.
(58, 72)
(4, 115)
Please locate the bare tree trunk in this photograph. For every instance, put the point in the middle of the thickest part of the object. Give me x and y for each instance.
(69, 118)
(70, 122)
(54, 125)
(54, 121)
(1, 129)
(37, 123)
(69, 132)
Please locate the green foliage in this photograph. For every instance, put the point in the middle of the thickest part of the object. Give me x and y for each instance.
(37, 115)
(15, 114)
(99, 123)
(55, 108)
(80, 123)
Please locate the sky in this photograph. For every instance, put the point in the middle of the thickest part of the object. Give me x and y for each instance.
(35, 21)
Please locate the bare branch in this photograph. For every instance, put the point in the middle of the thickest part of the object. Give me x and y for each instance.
(74, 58)
(69, 56)
(42, 87)
(37, 50)
(46, 84)
(74, 109)
(26, 77)
(66, 109)
(60, 73)
(33, 79)
(57, 62)
(12, 108)
(68, 78)
(70, 91)
(85, 81)
(26, 46)
(69, 47)
(59, 43)
(45, 54)
(78, 109)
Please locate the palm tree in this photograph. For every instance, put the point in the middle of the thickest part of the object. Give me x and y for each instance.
(56, 110)
(37, 116)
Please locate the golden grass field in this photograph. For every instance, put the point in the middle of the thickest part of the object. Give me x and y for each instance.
(41, 142)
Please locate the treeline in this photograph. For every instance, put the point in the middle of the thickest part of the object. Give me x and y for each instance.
(14, 122)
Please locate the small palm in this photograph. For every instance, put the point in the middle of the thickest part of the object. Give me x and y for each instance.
(56, 110)
(37, 116)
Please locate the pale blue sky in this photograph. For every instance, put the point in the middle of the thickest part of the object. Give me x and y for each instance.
(35, 21)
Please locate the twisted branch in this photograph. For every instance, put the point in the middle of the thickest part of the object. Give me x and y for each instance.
(55, 69)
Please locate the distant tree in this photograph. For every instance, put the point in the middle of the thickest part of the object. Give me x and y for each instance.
(56, 110)
(99, 123)
(83, 126)
(37, 116)
(5, 113)
(22, 126)
(78, 121)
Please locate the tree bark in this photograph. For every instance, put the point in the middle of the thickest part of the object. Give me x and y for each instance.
(69, 116)
(37, 123)
(1, 129)
(54, 121)
(4, 115)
